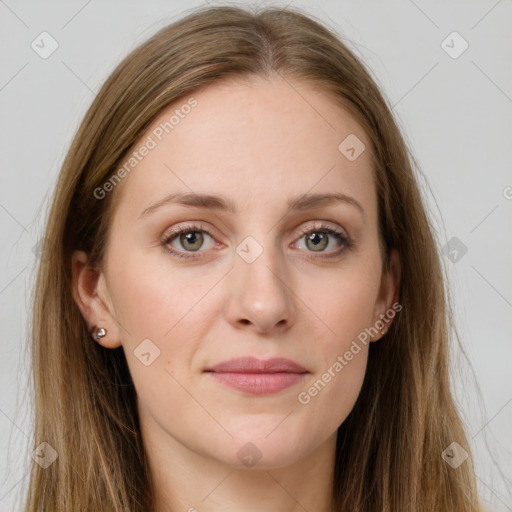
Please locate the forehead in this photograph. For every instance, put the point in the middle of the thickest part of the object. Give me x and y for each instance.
(247, 140)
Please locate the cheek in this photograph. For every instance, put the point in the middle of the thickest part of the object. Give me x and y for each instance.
(164, 313)
(175, 309)
(346, 302)
(155, 300)
(345, 309)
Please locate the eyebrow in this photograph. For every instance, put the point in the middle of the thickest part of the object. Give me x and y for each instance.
(300, 203)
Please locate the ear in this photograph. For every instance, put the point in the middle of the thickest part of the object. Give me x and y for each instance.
(91, 296)
(388, 295)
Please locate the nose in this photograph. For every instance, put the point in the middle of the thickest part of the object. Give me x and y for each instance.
(261, 297)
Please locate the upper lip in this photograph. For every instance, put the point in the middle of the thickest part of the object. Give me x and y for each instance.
(254, 365)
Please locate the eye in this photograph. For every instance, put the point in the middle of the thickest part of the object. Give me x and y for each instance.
(189, 239)
(318, 239)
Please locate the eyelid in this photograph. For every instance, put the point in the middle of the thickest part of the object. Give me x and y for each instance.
(324, 225)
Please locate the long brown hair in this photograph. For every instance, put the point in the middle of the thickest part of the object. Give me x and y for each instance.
(389, 449)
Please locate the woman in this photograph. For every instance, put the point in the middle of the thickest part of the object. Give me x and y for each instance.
(241, 305)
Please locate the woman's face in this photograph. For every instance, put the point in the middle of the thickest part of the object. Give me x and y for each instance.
(256, 273)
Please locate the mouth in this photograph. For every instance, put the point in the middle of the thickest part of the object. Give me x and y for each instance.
(258, 376)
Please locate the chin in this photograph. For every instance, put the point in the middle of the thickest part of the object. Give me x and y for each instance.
(262, 451)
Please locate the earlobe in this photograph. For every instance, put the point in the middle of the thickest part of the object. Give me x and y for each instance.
(86, 292)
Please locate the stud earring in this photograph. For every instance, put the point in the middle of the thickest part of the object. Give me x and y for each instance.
(97, 334)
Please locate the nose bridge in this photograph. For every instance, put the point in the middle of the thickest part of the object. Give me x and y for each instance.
(259, 265)
(260, 293)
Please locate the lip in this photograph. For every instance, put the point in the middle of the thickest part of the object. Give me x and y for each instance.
(258, 376)
(255, 365)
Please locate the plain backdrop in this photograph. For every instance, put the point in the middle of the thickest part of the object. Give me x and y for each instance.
(454, 106)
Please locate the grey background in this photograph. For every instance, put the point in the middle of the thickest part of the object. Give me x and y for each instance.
(454, 112)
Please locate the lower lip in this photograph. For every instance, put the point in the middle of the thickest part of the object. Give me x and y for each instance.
(259, 383)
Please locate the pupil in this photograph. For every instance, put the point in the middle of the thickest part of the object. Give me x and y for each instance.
(317, 238)
(192, 238)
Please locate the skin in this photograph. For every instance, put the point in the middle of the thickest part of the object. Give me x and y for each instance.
(256, 143)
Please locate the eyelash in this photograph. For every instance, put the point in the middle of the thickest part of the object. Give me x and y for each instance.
(192, 228)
